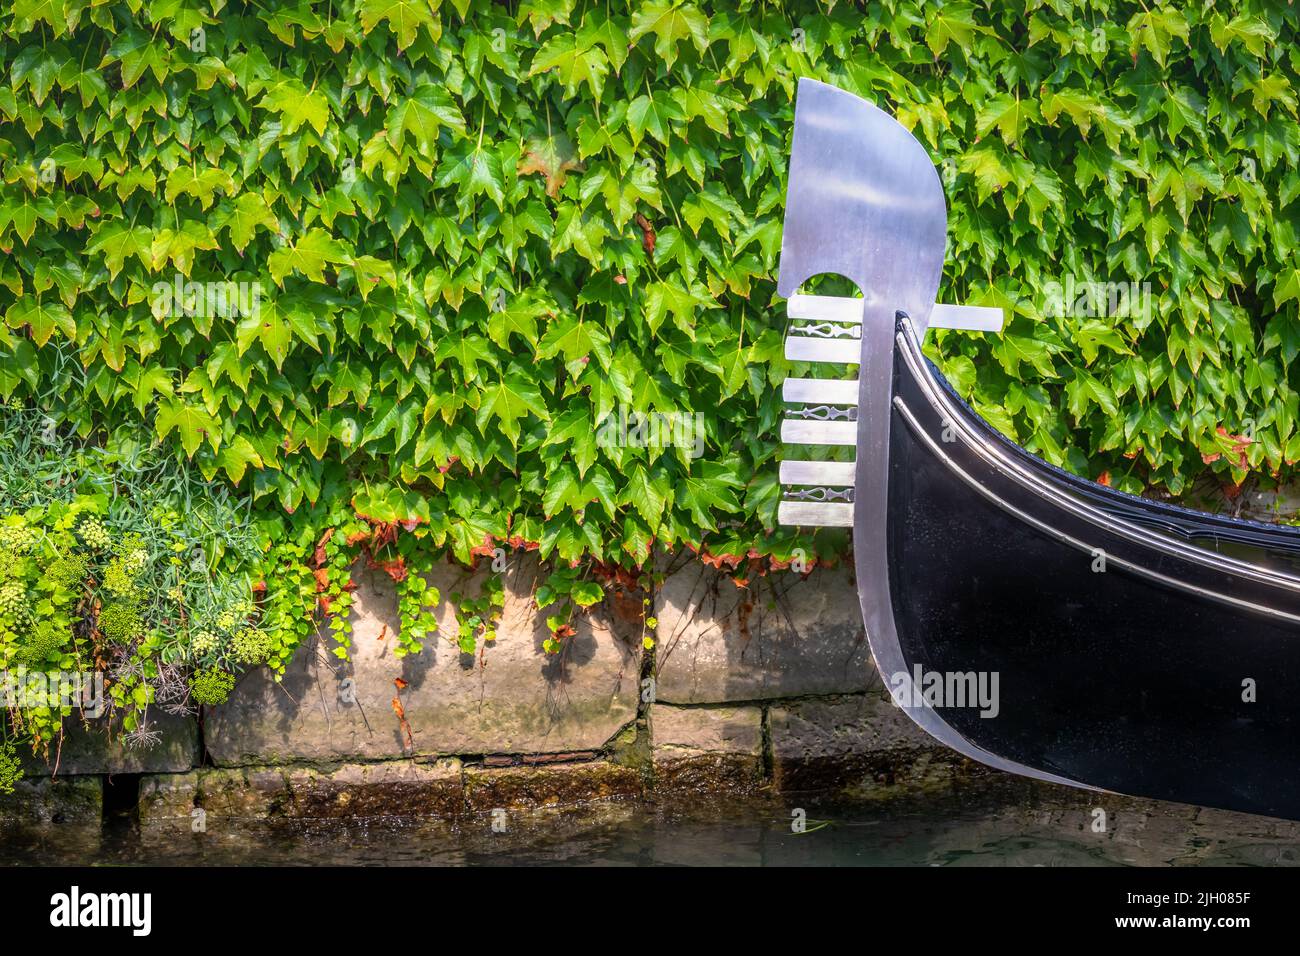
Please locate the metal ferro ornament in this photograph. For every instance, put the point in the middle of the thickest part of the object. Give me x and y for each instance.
(1131, 645)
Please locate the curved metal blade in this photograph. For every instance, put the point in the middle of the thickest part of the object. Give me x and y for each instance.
(864, 201)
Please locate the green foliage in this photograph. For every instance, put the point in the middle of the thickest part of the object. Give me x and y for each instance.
(11, 770)
(415, 602)
(567, 589)
(476, 230)
(211, 686)
(336, 556)
(289, 609)
(121, 622)
(251, 645)
(477, 617)
(416, 597)
(118, 560)
(1125, 144)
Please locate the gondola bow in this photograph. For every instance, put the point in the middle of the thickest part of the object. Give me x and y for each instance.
(1133, 646)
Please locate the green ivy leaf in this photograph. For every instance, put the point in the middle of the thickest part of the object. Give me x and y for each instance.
(404, 18)
(672, 22)
(952, 23)
(508, 401)
(242, 218)
(309, 256)
(193, 424)
(41, 317)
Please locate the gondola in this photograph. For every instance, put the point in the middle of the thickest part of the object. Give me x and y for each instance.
(1132, 646)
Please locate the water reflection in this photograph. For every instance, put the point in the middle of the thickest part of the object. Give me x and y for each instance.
(990, 820)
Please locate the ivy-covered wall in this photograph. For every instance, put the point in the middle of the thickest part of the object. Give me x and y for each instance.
(406, 256)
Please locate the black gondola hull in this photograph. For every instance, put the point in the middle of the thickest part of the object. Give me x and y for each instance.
(1118, 662)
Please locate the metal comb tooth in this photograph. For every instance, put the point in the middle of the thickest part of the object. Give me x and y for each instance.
(804, 348)
(827, 308)
(798, 432)
(820, 391)
(817, 336)
(817, 514)
(818, 472)
(820, 493)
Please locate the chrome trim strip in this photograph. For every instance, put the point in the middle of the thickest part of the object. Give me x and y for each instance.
(1046, 528)
(956, 417)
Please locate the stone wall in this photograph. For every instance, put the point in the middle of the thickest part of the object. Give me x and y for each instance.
(760, 687)
(781, 635)
(509, 698)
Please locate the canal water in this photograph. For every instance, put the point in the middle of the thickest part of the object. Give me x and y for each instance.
(988, 820)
